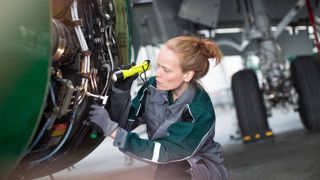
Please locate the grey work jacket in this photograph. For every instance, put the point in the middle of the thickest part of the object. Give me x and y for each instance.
(180, 131)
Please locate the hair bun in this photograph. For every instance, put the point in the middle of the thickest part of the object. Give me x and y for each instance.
(212, 50)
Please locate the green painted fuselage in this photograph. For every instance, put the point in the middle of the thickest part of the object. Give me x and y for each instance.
(24, 75)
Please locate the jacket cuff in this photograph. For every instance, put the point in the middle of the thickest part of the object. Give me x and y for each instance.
(120, 91)
(120, 138)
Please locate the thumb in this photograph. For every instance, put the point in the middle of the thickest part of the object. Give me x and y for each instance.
(131, 78)
(95, 107)
(134, 76)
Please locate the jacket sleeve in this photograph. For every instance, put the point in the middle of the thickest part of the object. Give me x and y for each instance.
(123, 110)
(183, 139)
(120, 101)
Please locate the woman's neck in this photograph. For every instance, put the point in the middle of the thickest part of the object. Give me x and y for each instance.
(176, 93)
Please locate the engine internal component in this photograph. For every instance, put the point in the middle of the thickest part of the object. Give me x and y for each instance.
(62, 41)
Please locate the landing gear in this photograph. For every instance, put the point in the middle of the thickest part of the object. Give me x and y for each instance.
(250, 105)
(250, 108)
(306, 80)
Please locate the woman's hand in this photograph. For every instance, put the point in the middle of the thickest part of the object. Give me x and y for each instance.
(100, 117)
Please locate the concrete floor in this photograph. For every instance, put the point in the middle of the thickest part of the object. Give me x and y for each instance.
(293, 153)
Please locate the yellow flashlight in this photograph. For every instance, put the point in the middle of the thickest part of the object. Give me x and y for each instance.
(125, 73)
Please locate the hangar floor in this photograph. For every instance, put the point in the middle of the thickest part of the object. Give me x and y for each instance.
(293, 153)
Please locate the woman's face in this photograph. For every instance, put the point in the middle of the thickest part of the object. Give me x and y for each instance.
(169, 74)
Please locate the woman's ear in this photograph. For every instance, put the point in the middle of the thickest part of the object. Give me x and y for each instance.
(188, 76)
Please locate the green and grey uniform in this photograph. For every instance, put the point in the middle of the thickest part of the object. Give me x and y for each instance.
(183, 130)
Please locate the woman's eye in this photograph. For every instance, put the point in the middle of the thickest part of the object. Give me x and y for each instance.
(166, 70)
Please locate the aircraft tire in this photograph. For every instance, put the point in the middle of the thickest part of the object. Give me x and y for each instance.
(250, 107)
(306, 80)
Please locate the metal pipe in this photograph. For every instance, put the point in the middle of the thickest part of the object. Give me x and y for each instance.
(287, 19)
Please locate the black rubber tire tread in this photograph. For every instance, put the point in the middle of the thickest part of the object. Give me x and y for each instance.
(249, 104)
(306, 80)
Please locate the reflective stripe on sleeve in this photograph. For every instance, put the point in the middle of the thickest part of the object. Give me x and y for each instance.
(156, 152)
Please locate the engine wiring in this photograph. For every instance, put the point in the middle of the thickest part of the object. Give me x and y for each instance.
(92, 67)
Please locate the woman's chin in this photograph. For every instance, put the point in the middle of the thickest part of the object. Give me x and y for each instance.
(160, 88)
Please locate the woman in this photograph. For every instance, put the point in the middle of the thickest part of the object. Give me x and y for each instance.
(178, 114)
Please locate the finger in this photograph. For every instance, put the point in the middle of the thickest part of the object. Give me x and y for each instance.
(95, 107)
(93, 117)
(96, 112)
(127, 66)
(133, 77)
(93, 112)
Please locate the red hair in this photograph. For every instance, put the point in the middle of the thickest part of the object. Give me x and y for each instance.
(194, 53)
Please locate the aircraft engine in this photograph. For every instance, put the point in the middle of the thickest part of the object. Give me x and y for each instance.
(84, 53)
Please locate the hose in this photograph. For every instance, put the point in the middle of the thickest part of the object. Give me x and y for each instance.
(313, 24)
(36, 162)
